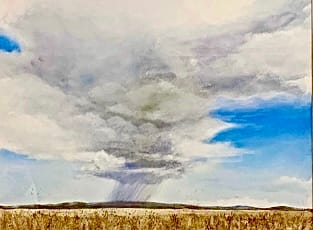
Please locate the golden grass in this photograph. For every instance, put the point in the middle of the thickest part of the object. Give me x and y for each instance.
(132, 219)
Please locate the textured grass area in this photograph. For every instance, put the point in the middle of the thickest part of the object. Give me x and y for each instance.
(124, 218)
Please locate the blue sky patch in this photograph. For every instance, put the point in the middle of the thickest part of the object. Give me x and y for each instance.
(8, 45)
(7, 155)
(279, 135)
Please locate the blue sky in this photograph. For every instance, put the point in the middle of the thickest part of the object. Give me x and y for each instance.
(277, 134)
(7, 44)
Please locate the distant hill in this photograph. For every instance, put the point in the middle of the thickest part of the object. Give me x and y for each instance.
(147, 205)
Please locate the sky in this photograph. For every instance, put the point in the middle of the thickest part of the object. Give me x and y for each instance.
(201, 102)
(277, 136)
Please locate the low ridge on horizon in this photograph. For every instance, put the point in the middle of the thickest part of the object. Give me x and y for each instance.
(143, 204)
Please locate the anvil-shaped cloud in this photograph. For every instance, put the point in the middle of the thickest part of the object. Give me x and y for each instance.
(127, 90)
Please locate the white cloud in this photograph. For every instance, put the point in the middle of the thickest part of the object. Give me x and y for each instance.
(174, 12)
(11, 10)
(242, 201)
(284, 54)
(42, 121)
(294, 181)
(121, 85)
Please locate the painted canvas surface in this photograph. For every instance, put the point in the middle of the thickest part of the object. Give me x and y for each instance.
(203, 102)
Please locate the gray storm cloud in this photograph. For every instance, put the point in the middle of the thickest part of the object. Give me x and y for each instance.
(127, 97)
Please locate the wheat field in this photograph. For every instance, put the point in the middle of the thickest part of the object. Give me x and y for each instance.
(123, 218)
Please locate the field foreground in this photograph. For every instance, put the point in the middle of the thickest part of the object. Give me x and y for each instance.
(136, 218)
